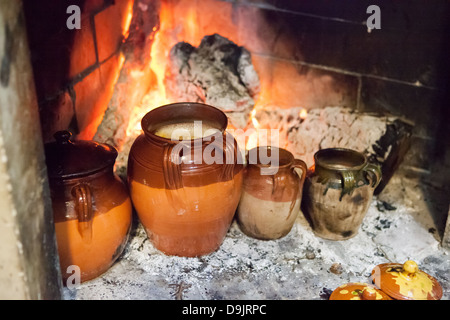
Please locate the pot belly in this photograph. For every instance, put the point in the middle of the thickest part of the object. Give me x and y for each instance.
(109, 235)
(266, 219)
(189, 221)
(334, 218)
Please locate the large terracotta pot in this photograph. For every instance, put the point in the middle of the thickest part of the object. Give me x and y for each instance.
(185, 201)
(338, 192)
(91, 206)
(270, 200)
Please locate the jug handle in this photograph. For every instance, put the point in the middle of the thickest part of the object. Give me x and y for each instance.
(375, 171)
(173, 178)
(83, 206)
(231, 153)
(298, 164)
(348, 183)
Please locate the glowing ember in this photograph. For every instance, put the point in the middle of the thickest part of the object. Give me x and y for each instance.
(128, 18)
(303, 114)
(254, 120)
(252, 141)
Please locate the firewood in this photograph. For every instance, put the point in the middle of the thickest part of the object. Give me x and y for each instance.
(218, 72)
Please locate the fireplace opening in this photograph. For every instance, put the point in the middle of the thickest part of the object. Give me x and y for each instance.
(317, 74)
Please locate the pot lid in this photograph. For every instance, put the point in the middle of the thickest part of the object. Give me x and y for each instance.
(406, 281)
(72, 159)
(358, 291)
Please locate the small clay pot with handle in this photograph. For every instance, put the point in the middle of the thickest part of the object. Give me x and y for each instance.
(272, 192)
(338, 191)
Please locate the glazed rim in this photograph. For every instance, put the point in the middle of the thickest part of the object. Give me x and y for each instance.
(285, 157)
(340, 159)
(183, 111)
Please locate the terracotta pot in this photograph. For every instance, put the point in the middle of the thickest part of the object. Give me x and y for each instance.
(338, 192)
(270, 200)
(185, 200)
(91, 206)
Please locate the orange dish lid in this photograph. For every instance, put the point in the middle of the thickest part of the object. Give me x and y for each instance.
(358, 291)
(406, 281)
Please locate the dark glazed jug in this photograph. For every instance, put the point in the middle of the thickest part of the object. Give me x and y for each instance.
(91, 206)
(185, 201)
(338, 192)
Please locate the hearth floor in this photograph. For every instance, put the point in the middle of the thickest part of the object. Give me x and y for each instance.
(299, 266)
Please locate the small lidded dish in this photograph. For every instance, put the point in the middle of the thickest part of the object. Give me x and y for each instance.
(92, 209)
(406, 282)
(358, 291)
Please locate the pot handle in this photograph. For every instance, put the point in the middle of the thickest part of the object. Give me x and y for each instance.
(301, 165)
(348, 183)
(173, 180)
(375, 171)
(83, 207)
(231, 153)
(298, 164)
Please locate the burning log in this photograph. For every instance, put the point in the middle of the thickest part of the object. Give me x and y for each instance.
(218, 72)
(135, 77)
(383, 139)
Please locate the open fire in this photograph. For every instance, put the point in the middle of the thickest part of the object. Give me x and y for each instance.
(181, 51)
(179, 23)
(285, 74)
(173, 30)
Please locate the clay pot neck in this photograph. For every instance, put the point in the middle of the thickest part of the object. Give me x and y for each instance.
(182, 112)
(98, 179)
(265, 157)
(339, 159)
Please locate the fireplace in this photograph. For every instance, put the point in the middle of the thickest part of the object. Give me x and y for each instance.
(314, 72)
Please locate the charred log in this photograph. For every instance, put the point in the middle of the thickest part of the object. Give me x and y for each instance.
(218, 72)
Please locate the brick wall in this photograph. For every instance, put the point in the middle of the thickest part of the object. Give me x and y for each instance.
(75, 70)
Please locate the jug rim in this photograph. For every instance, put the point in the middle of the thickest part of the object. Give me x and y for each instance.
(285, 157)
(190, 110)
(358, 159)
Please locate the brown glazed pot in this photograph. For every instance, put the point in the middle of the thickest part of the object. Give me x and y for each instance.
(91, 206)
(270, 200)
(338, 192)
(185, 206)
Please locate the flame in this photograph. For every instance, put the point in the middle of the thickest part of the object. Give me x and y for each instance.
(191, 25)
(252, 141)
(303, 114)
(182, 21)
(253, 138)
(254, 120)
(127, 21)
(162, 42)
